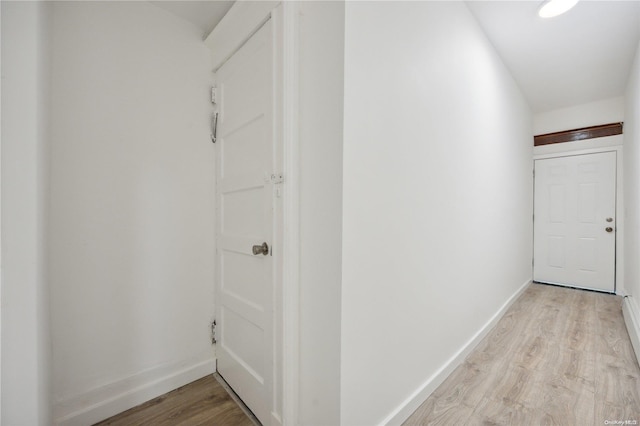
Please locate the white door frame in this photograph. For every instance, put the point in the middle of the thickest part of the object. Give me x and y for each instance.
(240, 23)
(291, 215)
(618, 149)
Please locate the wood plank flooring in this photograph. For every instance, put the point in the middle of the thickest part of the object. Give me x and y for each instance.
(203, 402)
(559, 356)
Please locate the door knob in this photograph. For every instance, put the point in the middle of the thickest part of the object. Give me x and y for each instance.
(608, 229)
(261, 249)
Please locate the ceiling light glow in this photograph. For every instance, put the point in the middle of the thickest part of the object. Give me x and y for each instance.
(551, 8)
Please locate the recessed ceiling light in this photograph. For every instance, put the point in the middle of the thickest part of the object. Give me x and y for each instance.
(551, 8)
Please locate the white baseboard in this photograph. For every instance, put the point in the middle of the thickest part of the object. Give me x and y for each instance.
(108, 400)
(631, 314)
(409, 406)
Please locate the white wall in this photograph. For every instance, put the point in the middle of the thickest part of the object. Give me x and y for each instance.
(132, 207)
(25, 314)
(0, 223)
(632, 183)
(321, 80)
(437, 197)
(590, 114)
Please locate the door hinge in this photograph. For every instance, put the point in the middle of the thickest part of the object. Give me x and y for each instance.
(214, 95)
(213, 332)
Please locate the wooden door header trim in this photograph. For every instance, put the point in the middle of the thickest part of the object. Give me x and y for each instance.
(573, 135)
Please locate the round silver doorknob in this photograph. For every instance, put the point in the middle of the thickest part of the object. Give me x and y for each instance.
(608, 229)
(261, 249)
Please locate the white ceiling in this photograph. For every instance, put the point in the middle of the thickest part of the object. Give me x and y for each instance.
(582, 56)
(204, 14)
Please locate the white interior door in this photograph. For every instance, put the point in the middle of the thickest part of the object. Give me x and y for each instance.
(245, 202)
(575, 221)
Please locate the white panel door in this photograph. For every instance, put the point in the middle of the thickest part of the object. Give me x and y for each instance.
(245, 202)
(575, 221)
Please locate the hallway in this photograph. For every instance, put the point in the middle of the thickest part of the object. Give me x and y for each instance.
(406, 132)
(558, 356)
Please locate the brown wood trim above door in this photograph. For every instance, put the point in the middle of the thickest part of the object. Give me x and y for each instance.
(578, 134)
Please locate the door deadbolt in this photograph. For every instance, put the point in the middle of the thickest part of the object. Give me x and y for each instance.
(609, 219)
(261, 249)
(608, 229)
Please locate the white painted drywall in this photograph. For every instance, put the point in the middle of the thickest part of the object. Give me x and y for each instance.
(321, 80)
(132, 206)
(437, 197)
(0, 221)
(590, 114)
(632, 183)
(25, 308)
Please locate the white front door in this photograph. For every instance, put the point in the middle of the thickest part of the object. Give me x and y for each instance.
(245, 222)
(575, 221)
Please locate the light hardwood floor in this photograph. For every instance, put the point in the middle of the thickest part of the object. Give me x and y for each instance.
(559, 356)
(203, 402)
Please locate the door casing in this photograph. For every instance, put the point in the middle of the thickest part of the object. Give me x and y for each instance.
(619, 261)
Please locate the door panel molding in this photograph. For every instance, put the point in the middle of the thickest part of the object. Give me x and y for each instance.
(571, 247)
(242, 21)
(247, 211)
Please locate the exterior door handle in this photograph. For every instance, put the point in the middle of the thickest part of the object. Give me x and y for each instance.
(261, 249)
(608, 229)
